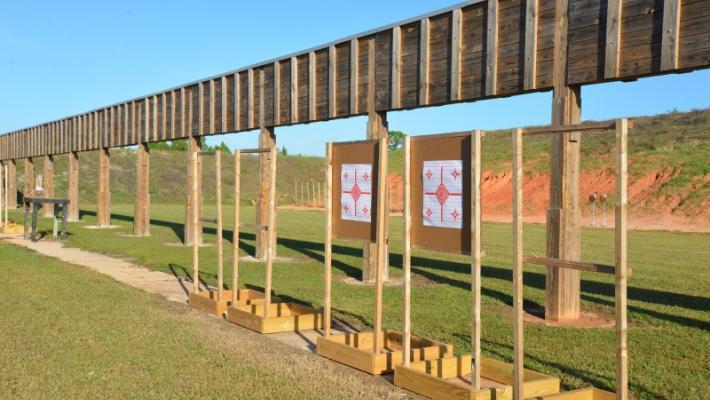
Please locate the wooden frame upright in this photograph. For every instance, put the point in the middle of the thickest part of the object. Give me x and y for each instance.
(373, 352)
(251, 309)
(619, 270)
(448, 377)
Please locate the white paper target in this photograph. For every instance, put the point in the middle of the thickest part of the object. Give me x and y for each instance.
(443, 193)
(356, 195)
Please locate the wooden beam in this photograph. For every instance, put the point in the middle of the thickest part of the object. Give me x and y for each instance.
(622, 357)
(237, 102)
(294, 90)
(563, 216)
(407, 252)
(518, 352)
(613, 39)
(492, 48)
(671, 33)
(103, 208)
(192, 207)
(28, 190)
(328, 259)
(220, 233)
(12, 181)
(235, 236)
(271, 233)
(577, 265)
(531, 17)
(225, 108)
(312, 86)
(196, 227)
(424, 30)
(376, 129)
(267, 141)
(396, 66)
(476, 258)
(48, 172)
(381, 239)
(73, 210)
(553, 129)
(455, 89)
(212, 108)
(332, 79)
(354, 56)
(141, 218)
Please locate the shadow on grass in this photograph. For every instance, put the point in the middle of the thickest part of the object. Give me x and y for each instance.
(427, 267)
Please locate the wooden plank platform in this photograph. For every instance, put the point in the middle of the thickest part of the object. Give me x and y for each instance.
(206, 300)
(582, 394)
(286, 317)
(449, 378)
(356, 350)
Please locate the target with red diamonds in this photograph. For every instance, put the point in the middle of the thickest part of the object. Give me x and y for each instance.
(440, 192)
(442, 181)
(356, 192)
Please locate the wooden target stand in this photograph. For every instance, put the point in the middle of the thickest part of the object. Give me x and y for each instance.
(468, 376)
(620, 271)
(216, 301)
(258, 311)
(373, 352)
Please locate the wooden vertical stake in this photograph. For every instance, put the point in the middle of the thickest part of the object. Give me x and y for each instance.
(396, 66)
(328, 236)
(332, 79)
(235, 236)
(195, 226)
(424, 62)
(613, 39)
(271, 241)
(381, 239)
(518, 361)
(73, 186)
(354, 58)
(455, 55)
(312, 86)
(220, 250)
(476, 258)
(294, 90)
(407, 254)
(622, 378)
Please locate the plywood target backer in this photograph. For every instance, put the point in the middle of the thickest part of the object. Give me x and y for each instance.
(356, 192)
(440, 176)
(442, 181)
(353, 203)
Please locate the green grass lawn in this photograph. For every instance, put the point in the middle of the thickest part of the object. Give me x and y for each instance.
(669, 309)
(69, 333)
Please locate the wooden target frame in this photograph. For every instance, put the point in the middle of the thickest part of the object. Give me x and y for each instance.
(619, 269)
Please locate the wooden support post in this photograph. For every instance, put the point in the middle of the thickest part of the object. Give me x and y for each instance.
(376, 129)
(220, 250)
(327, 275)
(381, 240)
(194, 194)
(407, 252)
(518, 361)
(563, 217)
(235, 236)
(456, 24)
(476, 259)
(48, 173)
(191, 206)
(267, 140)
(141, 219)
(332, 79)
(396, 67)
(73, 211)
(29, 178)
(271, 237)
(12, 184)
(424, 62)
(622, 357)
(103, 195)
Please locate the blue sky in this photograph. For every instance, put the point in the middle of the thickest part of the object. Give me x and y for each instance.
(62, 58)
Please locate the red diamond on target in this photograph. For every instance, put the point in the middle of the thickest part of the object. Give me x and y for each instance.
(441, 193)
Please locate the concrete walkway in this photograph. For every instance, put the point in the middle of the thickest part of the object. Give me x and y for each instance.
(170, 287)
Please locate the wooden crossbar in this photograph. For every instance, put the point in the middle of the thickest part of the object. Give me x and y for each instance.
(206, 153)
(578, 265)
(254, 151)
(594, 126)
(210, 220)
(255, 226)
